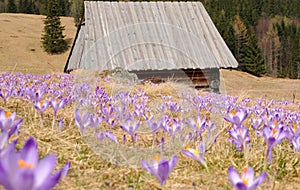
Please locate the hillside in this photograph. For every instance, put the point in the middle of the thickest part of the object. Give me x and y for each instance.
(20, 51)
(20, 44)
(243, 85)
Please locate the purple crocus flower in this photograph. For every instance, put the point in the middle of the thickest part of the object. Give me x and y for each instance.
(239, 137)
(35, 95)
(139, 110)
(5, 93)
(57, 104)
(154, 126)
(294, 131)
(23, 170)
(82, 120)
(196, 154)
(3, 140)
(273, 136)
(172, 126)
(198, 125)
(256, 125)
(236, 117)
(148, 116)
(130, 126)
(41, 106)
(96, 120)
(246, 181)
(107, 134)
(8, 122)
(296, 143)
(160, 168)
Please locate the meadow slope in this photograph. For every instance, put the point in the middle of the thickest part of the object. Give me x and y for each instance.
(20, 44)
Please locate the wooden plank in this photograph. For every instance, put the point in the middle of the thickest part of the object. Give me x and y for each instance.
(116, 41)
(158, 10)
(175, 13)
(198, 53)
(89, 58)
(207, 33)
(120, 12)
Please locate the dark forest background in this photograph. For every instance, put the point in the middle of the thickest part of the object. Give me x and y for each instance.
(263, 35)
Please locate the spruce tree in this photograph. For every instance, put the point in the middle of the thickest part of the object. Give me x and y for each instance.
(254, 61)
(53, 38)
(20, 6)
(11, 6)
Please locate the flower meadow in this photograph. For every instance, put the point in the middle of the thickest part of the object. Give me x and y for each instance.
(87, 132)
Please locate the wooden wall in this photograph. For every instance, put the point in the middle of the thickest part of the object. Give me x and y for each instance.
(201, 78)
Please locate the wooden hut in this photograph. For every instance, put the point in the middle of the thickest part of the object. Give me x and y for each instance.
(166, 40)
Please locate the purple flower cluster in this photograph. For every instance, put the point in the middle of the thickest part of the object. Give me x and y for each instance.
(22, 169)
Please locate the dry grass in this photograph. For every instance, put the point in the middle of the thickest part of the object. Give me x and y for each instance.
(245, 85)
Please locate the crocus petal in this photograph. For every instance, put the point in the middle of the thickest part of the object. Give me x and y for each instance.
(44, 169)
(271, 142)
(51, 181)
(29, 153)
(248, 173)
(163, 172)
(282, 136)
(124, 128)
(111, 136)
(24, 180)
(296, 143)
(241, 186)
(149, 168)
(3, 139)
(233, 176)
(190, 154)
(4, 177)
(173, 162)
(65, 169)
(9, 148)
(266, 131)
(258, 181)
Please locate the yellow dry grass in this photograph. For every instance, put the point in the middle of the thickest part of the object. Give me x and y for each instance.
(245, 85)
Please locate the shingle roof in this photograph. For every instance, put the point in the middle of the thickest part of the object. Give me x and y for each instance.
(148, 35)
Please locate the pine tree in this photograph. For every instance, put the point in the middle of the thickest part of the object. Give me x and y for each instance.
(20, 6)
(241, 40)
(77, 11)
(53, 38)
(254, 61)
(11, 6)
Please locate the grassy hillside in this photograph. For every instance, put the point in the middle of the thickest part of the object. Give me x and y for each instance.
(20, 44)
